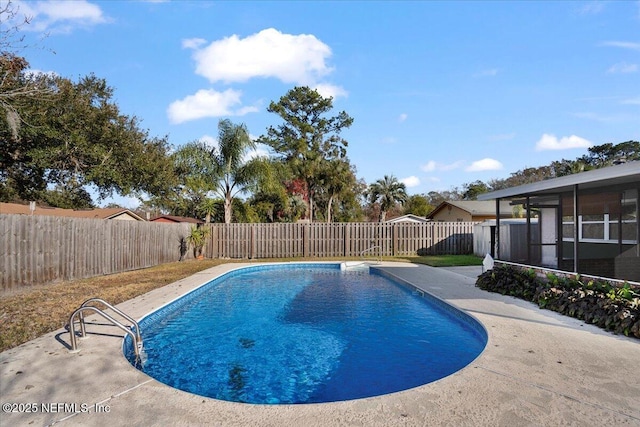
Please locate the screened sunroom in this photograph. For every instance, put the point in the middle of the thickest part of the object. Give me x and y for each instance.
(586, 223)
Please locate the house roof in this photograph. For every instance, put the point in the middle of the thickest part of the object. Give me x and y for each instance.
(604, 177)
(473, 207)
(98, 213)
(407, 218)
(174, 218)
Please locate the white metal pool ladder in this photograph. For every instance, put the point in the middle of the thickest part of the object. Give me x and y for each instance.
(79, 313)
(379, 257)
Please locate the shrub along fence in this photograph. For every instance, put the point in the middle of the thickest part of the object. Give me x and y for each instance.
(43, 249)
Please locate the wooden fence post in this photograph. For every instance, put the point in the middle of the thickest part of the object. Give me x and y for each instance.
(214, 241)
(394, 238)
(347, 238)
(252, 250)
(306, 240)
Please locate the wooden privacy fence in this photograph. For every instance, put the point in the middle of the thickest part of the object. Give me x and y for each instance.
(339, 240)
(43, 249)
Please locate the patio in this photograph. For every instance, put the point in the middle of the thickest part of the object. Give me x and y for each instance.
(539, 368)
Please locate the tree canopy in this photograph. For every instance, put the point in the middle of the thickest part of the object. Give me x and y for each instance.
(71, 137)
(598, 156)
(388, 192)
(308, 137)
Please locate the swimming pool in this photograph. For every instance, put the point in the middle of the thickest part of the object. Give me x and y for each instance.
(305, 333)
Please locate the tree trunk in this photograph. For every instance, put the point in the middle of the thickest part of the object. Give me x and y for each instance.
(227, 210)
(329, 209)
(383, 215)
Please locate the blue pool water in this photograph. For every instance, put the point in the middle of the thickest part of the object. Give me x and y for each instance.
(305, 333)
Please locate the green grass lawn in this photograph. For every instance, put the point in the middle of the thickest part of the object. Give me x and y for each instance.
(444, 260)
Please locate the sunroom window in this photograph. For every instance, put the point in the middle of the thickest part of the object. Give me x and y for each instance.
(603, 218)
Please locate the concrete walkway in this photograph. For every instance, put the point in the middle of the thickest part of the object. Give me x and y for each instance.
(538, 369)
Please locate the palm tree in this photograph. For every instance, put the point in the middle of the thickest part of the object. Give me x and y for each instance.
(388, 191)
(224, 170)
(236, 174)
(208, 207)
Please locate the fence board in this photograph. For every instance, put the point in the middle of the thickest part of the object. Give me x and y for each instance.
(340, 239)
(43, 249)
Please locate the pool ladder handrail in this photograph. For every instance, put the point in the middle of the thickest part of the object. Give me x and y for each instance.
(117, 310)
(135, 336)
(379, 259)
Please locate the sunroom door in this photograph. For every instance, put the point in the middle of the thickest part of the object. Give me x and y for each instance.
(549, 236)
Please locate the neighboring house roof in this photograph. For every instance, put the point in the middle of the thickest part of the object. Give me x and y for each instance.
(98, 213)
(474, 208)
(174, 218)
(407, 218)
(609, 176)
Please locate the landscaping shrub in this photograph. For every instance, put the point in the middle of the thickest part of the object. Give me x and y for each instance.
(597, 302)
(510, 281)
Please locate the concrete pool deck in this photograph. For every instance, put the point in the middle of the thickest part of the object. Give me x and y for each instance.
(538, 369)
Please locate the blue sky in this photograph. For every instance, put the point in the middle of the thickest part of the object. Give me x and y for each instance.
(442, 93)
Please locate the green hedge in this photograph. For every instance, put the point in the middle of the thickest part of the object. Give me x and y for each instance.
(597, 302)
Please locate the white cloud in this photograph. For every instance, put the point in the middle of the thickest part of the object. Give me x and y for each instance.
(410, 181)
(60, 16)
(402, 117)
(330, 91)
(486, 164)
(194, 43)
(207, 103)
(623, 45)
(551, 142)
(623, 68)
(246, 110)
(299, 59)
(631, 101)
(432, 166)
